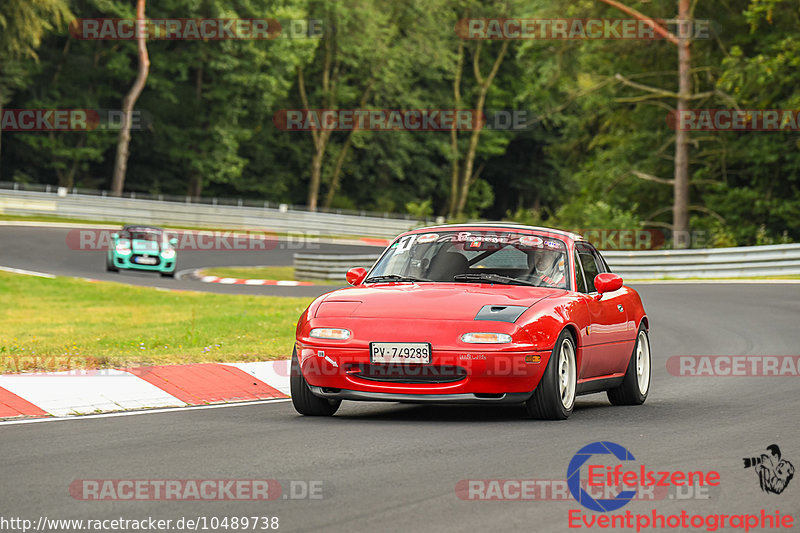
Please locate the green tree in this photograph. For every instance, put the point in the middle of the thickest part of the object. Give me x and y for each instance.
(23, 23)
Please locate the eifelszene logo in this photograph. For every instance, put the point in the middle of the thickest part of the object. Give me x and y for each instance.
(603, 475)
(574, 476)
(774, 473)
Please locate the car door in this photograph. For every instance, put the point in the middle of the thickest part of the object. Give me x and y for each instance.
(607, 335)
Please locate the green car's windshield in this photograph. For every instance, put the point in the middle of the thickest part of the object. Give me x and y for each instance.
(505, 258)
(142, 236)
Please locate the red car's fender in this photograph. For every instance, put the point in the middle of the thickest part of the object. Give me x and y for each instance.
(545, 320)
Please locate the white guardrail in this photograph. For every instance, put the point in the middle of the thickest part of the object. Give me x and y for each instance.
(739, 262)
(742, 262)
(280, 220)
(331, 267)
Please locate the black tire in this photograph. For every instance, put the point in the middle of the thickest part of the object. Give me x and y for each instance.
(168, 274)
(303, 400)
(546, 401)
(633, 391)
(110, 266)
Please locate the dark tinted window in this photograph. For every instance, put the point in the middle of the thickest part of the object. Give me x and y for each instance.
(590, 269)
(585, 247)
(144, 236)
(580, 285)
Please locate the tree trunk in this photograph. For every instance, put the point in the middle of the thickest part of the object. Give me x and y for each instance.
(195, 188)
(337, 171)
(484, 83)
(469, 163)
(316, 170)
(70, 178)
(121, 161)
(195, 184)
(680, 197)
(322, 136)
(454, 171)
(680, 207)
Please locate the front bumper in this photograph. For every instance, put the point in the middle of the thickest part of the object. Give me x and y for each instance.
(127, 262)
(468, 398)
(452, 376)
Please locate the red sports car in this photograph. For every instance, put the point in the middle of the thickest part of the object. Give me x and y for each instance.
(475, 313)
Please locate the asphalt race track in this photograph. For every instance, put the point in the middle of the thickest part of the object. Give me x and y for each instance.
(395, 467)
(47, 249)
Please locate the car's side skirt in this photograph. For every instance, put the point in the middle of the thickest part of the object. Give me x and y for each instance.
(593, 385)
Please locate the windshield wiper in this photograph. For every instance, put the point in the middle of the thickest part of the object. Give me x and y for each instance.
(394, 277)
(495, 278)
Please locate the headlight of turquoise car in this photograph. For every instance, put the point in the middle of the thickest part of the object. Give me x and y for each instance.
(123, 247)
(169, 253)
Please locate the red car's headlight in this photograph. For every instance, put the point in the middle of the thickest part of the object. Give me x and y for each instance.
(486, 338)
(340, 334)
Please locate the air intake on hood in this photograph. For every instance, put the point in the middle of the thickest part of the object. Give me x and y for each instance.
(500, 313)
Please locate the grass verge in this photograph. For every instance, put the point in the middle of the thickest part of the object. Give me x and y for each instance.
(63, 323)
(279, 273)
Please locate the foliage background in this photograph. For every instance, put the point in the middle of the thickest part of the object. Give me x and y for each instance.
(211, 106)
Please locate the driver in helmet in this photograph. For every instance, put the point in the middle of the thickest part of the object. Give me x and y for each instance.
(549, 266)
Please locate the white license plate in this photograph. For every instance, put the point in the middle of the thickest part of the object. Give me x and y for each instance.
(146, 260)
(399, 352)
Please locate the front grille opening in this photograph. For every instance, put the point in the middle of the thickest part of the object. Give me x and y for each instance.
(489, 396)
(408, 373)
(152, 260)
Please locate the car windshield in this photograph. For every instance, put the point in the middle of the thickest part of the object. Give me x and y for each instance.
(505, 258)
(142, 236)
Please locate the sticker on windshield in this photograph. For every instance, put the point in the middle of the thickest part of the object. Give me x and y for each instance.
(405, 244)
(553, 244)
(489, 237)
(528, 240)
(428, 237)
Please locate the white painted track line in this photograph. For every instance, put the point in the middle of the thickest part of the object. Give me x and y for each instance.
(27, 272)
(15, 422)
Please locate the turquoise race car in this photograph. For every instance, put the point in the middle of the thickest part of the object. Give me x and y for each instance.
(142, 248)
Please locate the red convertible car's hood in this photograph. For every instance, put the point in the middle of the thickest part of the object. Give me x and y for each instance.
(449, 301)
